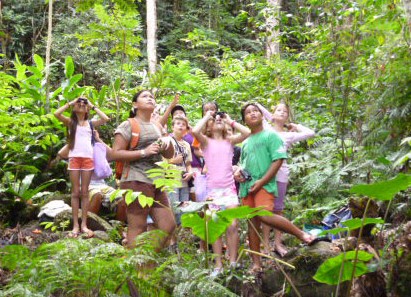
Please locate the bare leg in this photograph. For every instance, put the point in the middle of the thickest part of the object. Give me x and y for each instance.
(218, 251)
(75, 199)
(95, 203)
(254, 239)
(285, 225)
(266, 238)
(278, 244)
(164, 219)
(233, 240)
(137, 222)
(85, 182)
(121, 214)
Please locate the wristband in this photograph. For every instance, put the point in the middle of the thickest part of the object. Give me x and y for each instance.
(94, 107)
(142, 153)
(232, 124)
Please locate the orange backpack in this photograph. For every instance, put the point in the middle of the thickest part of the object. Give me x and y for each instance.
(135, 136)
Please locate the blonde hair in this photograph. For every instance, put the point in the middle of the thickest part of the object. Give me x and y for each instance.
(290, 114)
(177, 118)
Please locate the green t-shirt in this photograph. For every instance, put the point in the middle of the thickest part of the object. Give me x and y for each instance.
(259, 151)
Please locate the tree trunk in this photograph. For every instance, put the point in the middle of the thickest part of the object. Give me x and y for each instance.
(407, 9)
(273, 33)
(151, 35)
(48, 51)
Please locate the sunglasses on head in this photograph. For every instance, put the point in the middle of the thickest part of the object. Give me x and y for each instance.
(82, 100)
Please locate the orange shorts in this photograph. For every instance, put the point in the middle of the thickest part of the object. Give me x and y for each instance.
(78, 163)
(261, 198)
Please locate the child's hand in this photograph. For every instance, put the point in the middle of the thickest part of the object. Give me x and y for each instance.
(227, 119)
(176, 99)
(187, 176)
(71, 103)
(210, 113)
(292, 127)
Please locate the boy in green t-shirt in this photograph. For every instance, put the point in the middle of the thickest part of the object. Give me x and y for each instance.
(261, 156)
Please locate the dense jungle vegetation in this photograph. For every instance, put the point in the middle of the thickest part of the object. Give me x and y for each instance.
(343, 66)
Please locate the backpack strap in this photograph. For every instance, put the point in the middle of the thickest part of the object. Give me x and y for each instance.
(135, 133)
(135, 137)
(93, 139)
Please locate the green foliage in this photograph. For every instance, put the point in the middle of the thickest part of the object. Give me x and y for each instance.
(72, 267)
(402, 160)
(62, 226)
(166, 176)
(215, 223)
(20, 189)
(385, 190)
(116, 29)
(330, 270)
(353, 264)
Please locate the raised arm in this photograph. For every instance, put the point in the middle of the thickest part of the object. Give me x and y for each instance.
(103, 117)
(267, 115)
(59, 113)
(163, 119)
(298, 133)
(197, 130)
(244, 131)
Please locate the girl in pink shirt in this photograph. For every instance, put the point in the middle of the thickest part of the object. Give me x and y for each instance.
(290, 133)
(80, 155)
(218, 153)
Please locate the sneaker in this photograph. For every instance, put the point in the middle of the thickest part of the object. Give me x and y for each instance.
(216, 272)
(234, 265)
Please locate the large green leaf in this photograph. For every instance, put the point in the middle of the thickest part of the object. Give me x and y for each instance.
(218, 222)
(329, 271)
(385, 190)
(69, 69)
(353, 224)
(39, 62)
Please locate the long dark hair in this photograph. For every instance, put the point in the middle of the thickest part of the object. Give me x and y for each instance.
(71, 130)
(133, 111)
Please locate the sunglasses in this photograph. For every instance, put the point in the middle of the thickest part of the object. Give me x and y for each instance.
(82, 100)
(222, 114)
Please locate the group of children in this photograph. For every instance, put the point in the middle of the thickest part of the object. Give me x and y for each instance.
(206, 151)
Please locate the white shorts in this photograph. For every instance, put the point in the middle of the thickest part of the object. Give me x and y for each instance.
(223, 197)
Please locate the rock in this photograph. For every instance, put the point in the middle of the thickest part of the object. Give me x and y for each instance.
(53, 208)
(306, 261)
(94, 222)
(357, 207)
(347, 244)
(102, 235)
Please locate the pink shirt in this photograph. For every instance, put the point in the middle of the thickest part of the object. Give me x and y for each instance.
(82, 146)
(289, 139)
(218, 155)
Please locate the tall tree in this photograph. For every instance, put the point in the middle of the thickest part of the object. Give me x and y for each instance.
(273, 33)
(48, 53)
(151, 35)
